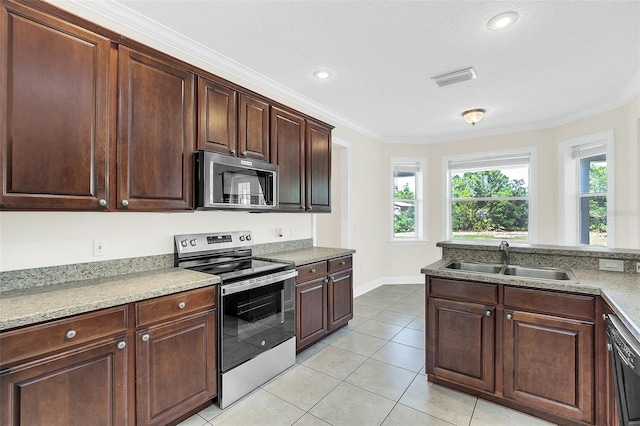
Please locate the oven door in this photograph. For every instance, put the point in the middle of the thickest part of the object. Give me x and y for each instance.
(255, 317)
(625, 354)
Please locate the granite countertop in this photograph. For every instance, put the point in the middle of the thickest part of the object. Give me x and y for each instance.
(37, 304)
(620, 290)
(305, 256)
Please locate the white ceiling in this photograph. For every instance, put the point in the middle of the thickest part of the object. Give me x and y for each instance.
(562, 60)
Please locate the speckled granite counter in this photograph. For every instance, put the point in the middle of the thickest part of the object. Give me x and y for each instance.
(620, 290)
(307, 255)
(37, 304)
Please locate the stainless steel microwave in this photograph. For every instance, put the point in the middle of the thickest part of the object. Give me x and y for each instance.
(226, 182)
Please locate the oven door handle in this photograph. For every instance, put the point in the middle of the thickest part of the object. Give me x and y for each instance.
(251, 284)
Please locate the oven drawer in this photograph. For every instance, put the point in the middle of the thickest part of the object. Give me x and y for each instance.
(340, 264)
(39, 339)
(312, 271)
(173, 305)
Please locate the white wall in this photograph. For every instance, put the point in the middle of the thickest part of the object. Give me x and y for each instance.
(34, 239)
(401, 262)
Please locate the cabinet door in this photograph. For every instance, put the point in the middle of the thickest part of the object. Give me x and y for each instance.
(311, 312)
(287, 151)
(54, 104)
(548, 364)
(156, 132)
(216, 117)
(461, 342)
(339, 299)
(253, 128)
(85, 386)
(318, 166)
(175, 368)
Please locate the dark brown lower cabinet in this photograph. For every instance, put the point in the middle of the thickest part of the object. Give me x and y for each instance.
(311, 312)
(175, 368)
(461, 342)
(324, 299)
(548, 364)
(82, 386)
(529, 349)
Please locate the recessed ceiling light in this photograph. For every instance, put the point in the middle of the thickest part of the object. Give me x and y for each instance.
(322, 74)
(502, 21)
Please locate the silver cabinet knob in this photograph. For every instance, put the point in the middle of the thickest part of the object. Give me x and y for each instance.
(609, 347)
(487, 313)
(233, 151)
(310, 208)
(313, 271)
(343, 263)
(181, 305)
(244, 153)
(604, 317)
(125, 203)
(70, 334)
(326, 280)
(145, 338)
(102, 202)
(509, 316)
(122, 345)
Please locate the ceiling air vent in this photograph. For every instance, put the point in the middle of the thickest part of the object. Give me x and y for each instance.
(455, 77)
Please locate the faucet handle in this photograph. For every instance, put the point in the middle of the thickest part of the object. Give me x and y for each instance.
(503, 245)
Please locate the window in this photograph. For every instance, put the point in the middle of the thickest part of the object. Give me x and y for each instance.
(586, 168)
(407, 196)
(489, 196)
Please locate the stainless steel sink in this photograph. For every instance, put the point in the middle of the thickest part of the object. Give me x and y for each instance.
(484, 268)
(541, 273)
(532, 272)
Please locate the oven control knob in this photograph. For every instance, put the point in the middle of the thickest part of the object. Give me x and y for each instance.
(248, 237)
(184, 243)
(241, 237)
(193, 242)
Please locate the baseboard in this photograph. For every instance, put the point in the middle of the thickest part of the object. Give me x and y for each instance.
(372, 285)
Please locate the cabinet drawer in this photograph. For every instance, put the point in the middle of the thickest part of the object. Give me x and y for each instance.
(311, 271)
(563, 304)
(340, 264)
(463, 290)
(160, 308)
(40, 339)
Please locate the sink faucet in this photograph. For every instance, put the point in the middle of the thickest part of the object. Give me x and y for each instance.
(504, 248)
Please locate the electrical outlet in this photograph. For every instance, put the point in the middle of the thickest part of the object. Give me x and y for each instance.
(611, 265)
(98, 247)
(638, 267)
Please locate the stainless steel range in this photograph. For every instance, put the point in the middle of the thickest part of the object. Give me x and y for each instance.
(256, 304)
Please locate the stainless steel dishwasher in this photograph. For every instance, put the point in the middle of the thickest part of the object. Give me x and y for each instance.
(625, 354)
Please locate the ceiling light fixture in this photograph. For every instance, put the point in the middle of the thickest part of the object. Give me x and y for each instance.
(502, 21)
(322, 74)
(455, 77)
(472, 116)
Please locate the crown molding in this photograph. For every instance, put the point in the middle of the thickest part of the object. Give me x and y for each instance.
(137, 26)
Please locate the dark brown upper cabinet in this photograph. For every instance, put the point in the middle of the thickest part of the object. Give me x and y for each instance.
(54, 99)
(156, 133)
(253, 128)
(217, 115)
(318, 168)
(288, 152)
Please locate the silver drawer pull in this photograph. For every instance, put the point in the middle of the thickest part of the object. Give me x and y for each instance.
(343, 263)
(71, 334)
(145, 337)
(125, 203)
(313, 271)
(102, 202)
(488, 313)
(509, 316)
(122, 345)
(181, 305)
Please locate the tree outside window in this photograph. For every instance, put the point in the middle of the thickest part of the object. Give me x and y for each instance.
(407, 198)
(490, 198)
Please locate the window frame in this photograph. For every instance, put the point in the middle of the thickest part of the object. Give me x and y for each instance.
(531, 151)
(420, 195)
(570, 193)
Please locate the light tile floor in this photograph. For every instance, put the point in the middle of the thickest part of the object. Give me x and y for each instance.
(370, 372)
